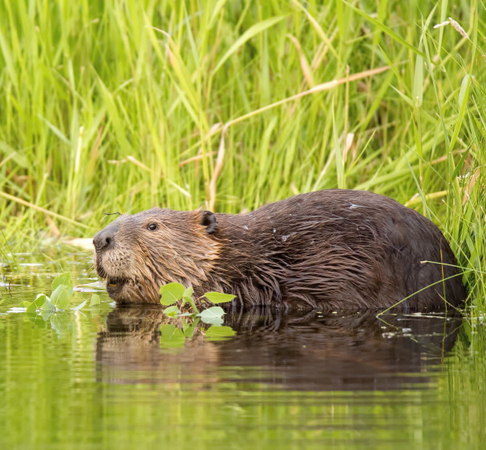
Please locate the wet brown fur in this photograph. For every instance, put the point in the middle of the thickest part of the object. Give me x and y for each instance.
(326, 250)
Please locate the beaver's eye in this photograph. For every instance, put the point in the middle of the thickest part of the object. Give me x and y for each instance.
(152, 226)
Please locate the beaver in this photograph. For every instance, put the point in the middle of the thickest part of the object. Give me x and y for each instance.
(325, 250)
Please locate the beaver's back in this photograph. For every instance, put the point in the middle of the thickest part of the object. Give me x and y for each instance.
(340, 249)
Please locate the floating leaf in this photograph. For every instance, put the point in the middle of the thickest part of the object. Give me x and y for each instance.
(214, 311)
(171, 293)
(63, 280)
(80, 306)
(216, 333)
(171, 311)
(47, 306)
(37, 304)
(60, 297)
(95, 300)
(213, 320)
(212, 315)
(218, 297)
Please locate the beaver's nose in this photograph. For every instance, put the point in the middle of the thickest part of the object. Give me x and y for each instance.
(105, 239)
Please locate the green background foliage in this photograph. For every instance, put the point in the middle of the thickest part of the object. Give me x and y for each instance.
(119, 106)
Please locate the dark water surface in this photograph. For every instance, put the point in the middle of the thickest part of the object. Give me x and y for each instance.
(127, 378)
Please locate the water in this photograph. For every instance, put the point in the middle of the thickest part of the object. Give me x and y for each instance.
(127, 378)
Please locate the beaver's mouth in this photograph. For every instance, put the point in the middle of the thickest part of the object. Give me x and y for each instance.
(115, 286)
(124, 288)
(115, 282)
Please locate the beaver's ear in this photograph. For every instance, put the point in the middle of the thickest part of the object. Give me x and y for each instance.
(208, 219)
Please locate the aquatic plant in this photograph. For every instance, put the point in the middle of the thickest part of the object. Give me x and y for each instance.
(60, 298)
(179, 301)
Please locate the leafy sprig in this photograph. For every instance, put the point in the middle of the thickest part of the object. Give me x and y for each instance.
(177, 297)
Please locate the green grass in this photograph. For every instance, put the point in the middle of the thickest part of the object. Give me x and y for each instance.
(120, 105)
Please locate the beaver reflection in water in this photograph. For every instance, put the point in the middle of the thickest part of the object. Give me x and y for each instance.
(301, 351)
(326, 250)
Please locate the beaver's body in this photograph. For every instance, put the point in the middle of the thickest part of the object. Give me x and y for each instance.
(334, 249)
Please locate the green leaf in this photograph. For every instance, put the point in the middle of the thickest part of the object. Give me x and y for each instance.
(213, 320)
(212, 315)
(247, 35)
(464, 86)
(63, 280)
(25, 304)
(171, 337)
(189, 330)
(218, 297)
(37, 304)
(171, 311)
(80, 306)
(60, 297)
(418, 82)
(218, 333)
(95, 300)
(19, 158)
(47, 306)
(187, 297)
(171, 293)
(404, 97)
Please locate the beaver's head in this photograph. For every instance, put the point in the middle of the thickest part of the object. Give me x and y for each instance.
(139, 253)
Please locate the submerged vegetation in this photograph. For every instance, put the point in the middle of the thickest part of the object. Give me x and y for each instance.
(122, 105)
